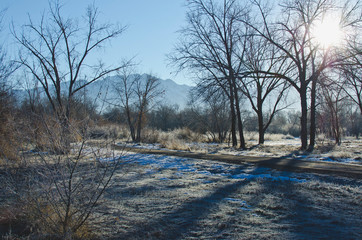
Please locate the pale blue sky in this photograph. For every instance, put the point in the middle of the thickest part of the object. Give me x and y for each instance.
(151, 34)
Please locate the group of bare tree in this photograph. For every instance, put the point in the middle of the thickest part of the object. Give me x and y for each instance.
(212, 46)
(256, 50)
(351, 73)
(135, 96)
(56, 53)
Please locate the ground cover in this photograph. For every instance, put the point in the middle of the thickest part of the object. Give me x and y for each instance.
(162, 197)
(349, 152)
(168, 197)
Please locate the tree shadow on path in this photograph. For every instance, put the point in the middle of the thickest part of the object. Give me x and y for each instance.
(298, 214)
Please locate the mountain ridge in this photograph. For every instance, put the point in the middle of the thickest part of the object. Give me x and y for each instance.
(104, 95)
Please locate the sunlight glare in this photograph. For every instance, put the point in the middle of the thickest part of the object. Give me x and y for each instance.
(327, 32)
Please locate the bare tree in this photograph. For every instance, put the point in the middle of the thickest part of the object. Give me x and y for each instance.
(218, 118)
(135, 95)
(262, 57)
(61, 193)
(211, 46)
(166, 117)
(7, 67)
(146, 92)
(333, 102)
(291, 34)
(124, 88)
(355, 122)
(351, 73)
(214, 116)
(57, 51)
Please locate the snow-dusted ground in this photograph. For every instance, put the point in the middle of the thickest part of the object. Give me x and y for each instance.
(205, 169)
(350, 152)
(165, 197)
(329, 159)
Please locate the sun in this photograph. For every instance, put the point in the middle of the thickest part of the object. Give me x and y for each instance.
(327, 32)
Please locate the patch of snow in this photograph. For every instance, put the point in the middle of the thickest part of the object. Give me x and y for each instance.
(164, 178)
(289, 142)
(149, 146)
(245, 209)
(155, 146)
(329, 159)
(217, 148)
(266, 176)
(35, 152)
(185, 165)
(204, 172)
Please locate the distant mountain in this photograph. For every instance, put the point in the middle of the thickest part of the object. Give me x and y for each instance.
(103, 92)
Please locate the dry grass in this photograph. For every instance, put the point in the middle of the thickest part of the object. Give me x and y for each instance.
(253, 136)
(46, 230)
(275, 144)
(108, 131)
(57, 194)
(177, 139)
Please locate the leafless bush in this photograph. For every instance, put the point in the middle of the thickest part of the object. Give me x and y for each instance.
(188, 135)
(277, 137)
(152, 136)
(9, 142)
(9, 139)
(60, 193)
(175, 144)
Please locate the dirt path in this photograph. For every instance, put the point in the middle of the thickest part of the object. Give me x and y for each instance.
(280, 163)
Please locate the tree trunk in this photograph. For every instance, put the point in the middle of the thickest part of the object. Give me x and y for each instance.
(261, 127)
(240, 122)
(63, 113)
(233, 119)
(312, 115)
(338, 131)
(304, 119)
(130, 124)
(139, 127)
(65, 139)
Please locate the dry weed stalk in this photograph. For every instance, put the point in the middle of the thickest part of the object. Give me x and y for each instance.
(61, 192)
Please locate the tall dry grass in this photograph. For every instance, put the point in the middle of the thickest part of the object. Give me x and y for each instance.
(177, 139)
(254, 136)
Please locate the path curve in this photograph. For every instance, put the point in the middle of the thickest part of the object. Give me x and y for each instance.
(279, 163)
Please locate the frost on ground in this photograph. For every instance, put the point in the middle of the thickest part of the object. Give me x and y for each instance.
(162, 197)
(349, 152)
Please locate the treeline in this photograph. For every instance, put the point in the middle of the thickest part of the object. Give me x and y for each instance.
(247, 59)
(216, 125)
(258, 51)
(210, 118)
(31, 120)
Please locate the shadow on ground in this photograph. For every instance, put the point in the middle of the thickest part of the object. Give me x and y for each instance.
(270, 204)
